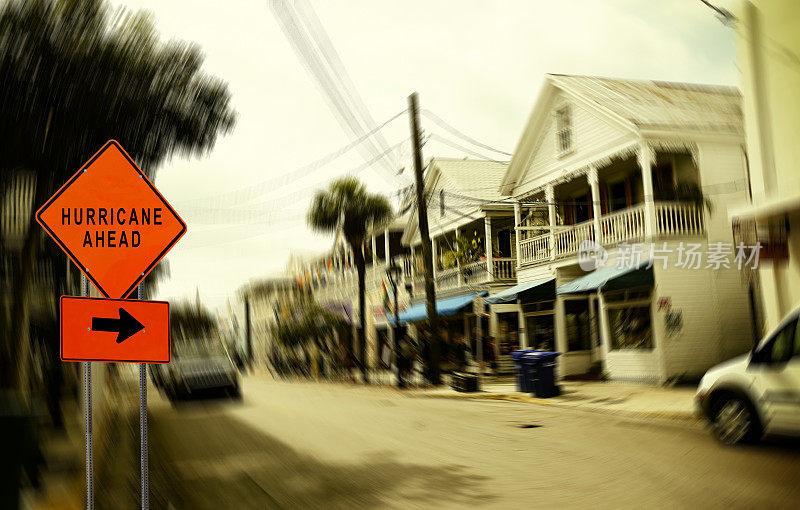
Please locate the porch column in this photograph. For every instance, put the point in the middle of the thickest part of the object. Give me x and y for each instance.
(487, 221)
(594, 325)
(494, 325)
(605, 330)
(522, 331)
(646, 160)
(561, 341)
(459, 275)
(435, 255)
(413, 263)
(596, 211)
(517, 231)
(386, 247)
(549, 197)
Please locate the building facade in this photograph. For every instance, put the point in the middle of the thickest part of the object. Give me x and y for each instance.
(642, 171)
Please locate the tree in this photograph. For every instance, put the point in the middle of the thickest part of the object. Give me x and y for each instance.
(311, 325)
(346, 206)
(74, 76)
(465, 251)
(190, 321)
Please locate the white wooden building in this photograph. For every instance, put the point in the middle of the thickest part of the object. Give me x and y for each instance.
(615, 162)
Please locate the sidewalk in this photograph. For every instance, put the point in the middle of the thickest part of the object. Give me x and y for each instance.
(629, 399)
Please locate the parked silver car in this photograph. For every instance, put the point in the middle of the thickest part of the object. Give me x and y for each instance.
(197, 367)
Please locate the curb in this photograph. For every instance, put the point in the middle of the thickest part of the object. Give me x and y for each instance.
(521, 397)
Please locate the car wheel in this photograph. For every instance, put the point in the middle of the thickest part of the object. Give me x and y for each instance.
(735, 421)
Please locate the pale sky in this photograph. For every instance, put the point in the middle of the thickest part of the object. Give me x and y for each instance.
(476, 64)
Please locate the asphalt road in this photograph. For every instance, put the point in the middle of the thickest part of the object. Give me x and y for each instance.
(305, 445)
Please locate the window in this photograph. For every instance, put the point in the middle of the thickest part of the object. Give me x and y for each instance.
(563, 130)
(541, 331)
(631, 327)
(663, 182)
(539, 306)
(504, 243)
(634, 294)
(782, 347)
(619, 195)
(577, 317)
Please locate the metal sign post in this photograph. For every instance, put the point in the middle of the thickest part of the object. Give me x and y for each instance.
(87, 416)
(110, 190)
(143, 447)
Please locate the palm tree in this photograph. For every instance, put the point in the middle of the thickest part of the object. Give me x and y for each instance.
(74, 74)
(346, 206)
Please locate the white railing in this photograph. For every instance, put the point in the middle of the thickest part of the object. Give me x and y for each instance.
(504, 268)
(625, 225)
(472, 274)
(679, 218)
(447, 278)
(476, 272)
(671, 219)
(405, 263)
(567, 241)
(535, 249)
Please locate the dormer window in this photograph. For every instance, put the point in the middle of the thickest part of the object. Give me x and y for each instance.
(563, 130)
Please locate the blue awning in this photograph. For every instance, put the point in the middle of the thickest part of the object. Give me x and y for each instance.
(529, 292)
(610, 278)
(444, 308)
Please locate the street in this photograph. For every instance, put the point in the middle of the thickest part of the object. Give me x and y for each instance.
(309, 445)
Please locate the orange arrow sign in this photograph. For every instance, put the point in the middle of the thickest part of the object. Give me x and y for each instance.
(115, 330)
(111, 221)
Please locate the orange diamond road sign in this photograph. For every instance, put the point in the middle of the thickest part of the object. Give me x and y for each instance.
(111, 221)
(115, 330)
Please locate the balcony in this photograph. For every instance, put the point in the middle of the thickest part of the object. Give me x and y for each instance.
(672, 219)
(504, 270)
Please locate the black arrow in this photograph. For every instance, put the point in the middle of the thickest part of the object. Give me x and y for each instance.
(126, 325)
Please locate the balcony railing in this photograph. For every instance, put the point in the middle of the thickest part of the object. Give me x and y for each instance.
(535, 249)
(672, 219)
(474, 273)
(625, 225)
(567, 241)
(679, 218)
(504, 268)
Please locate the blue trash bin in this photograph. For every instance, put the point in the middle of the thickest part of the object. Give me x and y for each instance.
(522, 370)
(543, 384)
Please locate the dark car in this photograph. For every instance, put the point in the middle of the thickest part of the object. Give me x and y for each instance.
(199, 367)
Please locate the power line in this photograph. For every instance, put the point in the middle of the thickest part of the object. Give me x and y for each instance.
(315, 50)
(249, 192)
(438, 120)
(455, 145)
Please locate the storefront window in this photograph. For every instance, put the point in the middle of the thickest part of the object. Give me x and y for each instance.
(631, 327)
(541, 331)
(578, 327)
(507, 328)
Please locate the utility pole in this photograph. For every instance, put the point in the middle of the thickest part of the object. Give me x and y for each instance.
(427, 257)
(248, 337)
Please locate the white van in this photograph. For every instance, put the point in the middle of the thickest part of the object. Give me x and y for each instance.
(756, 393)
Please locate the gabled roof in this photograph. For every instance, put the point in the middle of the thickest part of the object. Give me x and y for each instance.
(476, 179)
(660, 104)
(638, 105)
(471, 177)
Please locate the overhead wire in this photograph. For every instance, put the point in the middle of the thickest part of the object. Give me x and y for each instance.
(255, 190)
(438, 120)
(312, 45)
(455, 145)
